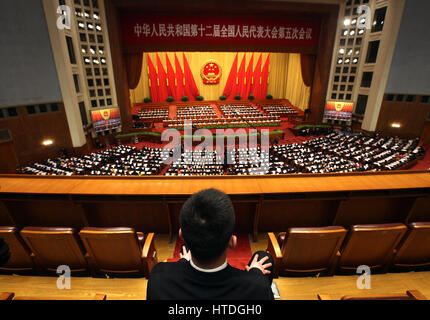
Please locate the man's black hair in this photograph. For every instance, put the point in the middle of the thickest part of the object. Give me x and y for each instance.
(207, 221)
(4, 252)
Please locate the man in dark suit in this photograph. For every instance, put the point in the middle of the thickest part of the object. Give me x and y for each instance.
(207, 222)
(4, 252)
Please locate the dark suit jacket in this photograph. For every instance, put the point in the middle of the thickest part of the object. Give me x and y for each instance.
(180, 281)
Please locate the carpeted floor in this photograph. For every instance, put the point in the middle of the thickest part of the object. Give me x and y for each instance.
(238, 258)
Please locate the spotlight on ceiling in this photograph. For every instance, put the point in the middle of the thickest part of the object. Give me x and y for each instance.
(47, 142)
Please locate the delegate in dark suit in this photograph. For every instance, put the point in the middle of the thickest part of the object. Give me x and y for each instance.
(207, 222)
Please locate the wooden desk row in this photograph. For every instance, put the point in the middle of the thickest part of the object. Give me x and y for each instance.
(263, 203)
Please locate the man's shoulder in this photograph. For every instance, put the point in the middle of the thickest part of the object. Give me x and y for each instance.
(163, 267)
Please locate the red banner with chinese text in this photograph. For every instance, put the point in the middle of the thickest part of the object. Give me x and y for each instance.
(152, 29)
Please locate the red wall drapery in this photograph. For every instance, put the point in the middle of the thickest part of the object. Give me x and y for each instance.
(190, 84)
(256, 85)
(180, 90)
(153, 86)
(133, 64)
(231, 84)
(162, 83)
(241, 77)
(265, 78)
(307, 63)
(171, 79)
(248, 79)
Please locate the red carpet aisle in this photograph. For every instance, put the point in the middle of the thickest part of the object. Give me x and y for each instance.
(237, 258)
(217, 111)
(172, 111)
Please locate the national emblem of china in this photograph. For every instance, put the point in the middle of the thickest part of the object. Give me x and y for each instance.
(339, 107)
(211, 72)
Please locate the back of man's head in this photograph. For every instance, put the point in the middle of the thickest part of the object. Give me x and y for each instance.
(207, 222)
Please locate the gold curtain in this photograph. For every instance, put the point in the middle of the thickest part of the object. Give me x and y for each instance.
(285, 78)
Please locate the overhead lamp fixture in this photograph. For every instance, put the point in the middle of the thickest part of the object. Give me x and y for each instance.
(47, 142)
(347, 22)
(342, 51)
(396, 125)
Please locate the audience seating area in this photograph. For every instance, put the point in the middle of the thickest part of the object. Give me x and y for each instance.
(280, 110)
(158, 114)
(197, 162)
(205, 116)
(195, 112)
(334, 249)
(336, 152)
(94, 251)
(120, 160)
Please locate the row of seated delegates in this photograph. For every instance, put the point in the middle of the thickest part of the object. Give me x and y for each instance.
(222, 121)
(379, 153)
(280, 110)
(249, 161)
(77, 165)
(141, 125)
(197, 162)
(153, 114)
(195, 111)
(198, 122)
(233, 110)
(390, 148)
(302, 158)
(147, 161)
(315, 131)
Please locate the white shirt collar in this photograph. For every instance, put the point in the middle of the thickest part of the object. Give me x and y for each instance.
(221, 267)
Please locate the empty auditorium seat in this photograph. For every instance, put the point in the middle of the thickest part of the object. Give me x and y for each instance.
(306, 250)
(53, 247)
(414, 250)
(119, 251)
(20, 255)
(370, 245)
(410, 295)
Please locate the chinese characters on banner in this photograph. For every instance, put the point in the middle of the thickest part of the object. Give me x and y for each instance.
(142, 29)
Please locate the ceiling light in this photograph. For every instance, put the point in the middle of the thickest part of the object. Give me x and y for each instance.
(47, 142)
